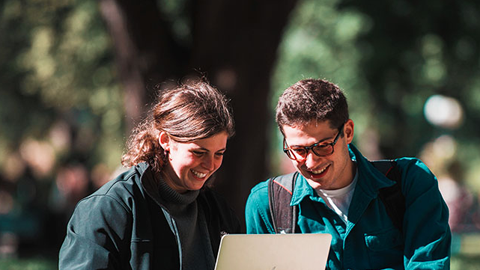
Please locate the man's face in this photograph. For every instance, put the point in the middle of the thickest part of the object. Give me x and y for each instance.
(332, 171)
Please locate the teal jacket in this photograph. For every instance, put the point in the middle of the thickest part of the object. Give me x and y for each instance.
(370, 240)
(123, 226)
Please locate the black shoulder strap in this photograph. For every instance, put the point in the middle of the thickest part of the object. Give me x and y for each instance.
(280, 191)
(392, 197)
(284, 216)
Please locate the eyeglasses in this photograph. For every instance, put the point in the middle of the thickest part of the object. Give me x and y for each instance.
(321, 150)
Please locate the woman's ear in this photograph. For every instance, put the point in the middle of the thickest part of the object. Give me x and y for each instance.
(164, 141)
(348, 129)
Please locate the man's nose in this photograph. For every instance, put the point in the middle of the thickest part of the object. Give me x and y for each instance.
(311, 159)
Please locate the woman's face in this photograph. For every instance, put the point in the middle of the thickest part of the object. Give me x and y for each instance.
(191, 164)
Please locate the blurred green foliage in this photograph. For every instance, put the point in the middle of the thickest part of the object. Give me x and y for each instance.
(390, 57)
(60, 100)
(57, 69)
(61, 115)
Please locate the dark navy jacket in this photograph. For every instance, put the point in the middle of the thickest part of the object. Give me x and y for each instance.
(123, 226)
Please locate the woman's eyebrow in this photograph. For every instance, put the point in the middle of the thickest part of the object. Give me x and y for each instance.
(205, 149)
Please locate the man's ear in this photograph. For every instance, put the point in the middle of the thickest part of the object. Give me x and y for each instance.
(164, 141)
(348, 129)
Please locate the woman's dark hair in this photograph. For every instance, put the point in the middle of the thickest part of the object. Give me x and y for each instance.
(312, 100)
(192, 111)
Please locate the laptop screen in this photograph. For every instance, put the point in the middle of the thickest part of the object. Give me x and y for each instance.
(273, 251)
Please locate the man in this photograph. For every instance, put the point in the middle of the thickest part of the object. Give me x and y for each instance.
(337, 190)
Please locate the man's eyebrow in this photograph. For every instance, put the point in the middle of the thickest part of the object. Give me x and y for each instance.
(322, 140)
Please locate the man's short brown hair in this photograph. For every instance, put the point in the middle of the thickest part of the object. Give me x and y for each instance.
(312, 100)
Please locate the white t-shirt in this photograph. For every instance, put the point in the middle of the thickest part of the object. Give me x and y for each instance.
(339, 199)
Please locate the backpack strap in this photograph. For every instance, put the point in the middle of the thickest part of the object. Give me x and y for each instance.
(284, 216)
(392, 197)
(280, 191)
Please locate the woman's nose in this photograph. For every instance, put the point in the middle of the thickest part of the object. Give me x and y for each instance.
(208, 163)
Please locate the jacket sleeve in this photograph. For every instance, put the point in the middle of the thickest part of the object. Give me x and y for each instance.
(257, 211)
(96, 235)
(426, 230)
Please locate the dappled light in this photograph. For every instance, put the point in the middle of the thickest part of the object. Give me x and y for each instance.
(71, 90)
(444, 112)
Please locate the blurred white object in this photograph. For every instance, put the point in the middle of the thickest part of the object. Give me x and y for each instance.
(443, 111)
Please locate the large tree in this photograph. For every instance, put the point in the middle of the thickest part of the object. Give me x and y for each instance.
(233, 43)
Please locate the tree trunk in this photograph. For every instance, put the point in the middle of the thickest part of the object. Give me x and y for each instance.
(233, 43)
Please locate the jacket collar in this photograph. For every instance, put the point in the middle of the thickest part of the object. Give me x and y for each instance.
(147, 181)
(370, 180)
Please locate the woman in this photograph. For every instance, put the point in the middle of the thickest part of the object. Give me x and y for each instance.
(158, 214)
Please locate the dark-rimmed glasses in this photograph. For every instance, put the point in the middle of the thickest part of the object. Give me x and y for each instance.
(320, 149)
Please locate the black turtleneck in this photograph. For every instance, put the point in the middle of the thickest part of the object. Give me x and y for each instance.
(191, 224)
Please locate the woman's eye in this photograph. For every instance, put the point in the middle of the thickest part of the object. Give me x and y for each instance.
(219, 154)
(198, 153)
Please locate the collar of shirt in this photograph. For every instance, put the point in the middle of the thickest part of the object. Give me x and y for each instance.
(370, 180)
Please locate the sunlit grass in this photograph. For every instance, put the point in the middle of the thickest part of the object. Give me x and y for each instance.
(458, 262)
(463, 262)
(28, 264)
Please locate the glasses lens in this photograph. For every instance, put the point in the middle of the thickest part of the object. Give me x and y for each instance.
(289, 154)
(299, 153)
(323, 150)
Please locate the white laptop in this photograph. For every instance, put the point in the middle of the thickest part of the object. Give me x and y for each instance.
(273, 252)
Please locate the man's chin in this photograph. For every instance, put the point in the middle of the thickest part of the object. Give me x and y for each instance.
(315, 183)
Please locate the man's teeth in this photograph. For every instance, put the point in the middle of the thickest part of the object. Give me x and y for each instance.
(199, 175)
(319, 171)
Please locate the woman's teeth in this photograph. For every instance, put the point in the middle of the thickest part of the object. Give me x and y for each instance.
(199, 175)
